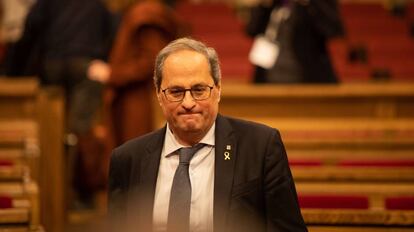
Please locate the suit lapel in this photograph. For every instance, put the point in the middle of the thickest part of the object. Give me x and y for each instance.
(149, 166)
(151, 161)
(225, 157)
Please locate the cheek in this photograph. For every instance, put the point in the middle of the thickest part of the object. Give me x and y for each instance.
(169, 110)
(210, 109)
(172, 111)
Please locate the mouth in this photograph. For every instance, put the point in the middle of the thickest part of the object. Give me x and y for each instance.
(189, 115)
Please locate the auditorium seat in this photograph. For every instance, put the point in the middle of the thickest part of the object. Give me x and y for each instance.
(19, 148)
(335, 169)
(19, 199)
(357, 220)
(333, 202)
(410, 12)
(377, 163)
(399, 203)
(19, 205)
(389, 48)
(375, 26)
(13, 172)
(217, 24)
(362, 9)
(356, 204)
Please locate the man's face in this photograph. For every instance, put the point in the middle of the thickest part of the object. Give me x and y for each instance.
(183, 70)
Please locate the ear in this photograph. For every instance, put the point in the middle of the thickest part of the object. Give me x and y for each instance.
(159, 97)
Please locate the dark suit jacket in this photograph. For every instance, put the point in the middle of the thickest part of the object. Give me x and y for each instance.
(253, 191)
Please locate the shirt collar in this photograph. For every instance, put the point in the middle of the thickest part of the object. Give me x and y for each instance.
(171, 144)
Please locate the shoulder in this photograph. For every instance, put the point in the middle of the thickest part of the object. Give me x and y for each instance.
(136, 145)
(254, 135)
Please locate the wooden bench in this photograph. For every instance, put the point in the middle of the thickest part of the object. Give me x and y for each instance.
(19, 146)
(354, 149)
(23, 102)
(358, 229)
(24, 204)
(357, 174)
(14, 172)
(362, 203)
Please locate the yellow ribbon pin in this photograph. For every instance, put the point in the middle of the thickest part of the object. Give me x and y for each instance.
(226, 155)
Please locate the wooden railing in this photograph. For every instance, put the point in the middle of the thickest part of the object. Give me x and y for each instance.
(31, 138)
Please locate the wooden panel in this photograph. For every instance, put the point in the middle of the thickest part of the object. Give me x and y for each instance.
(17, 228)
(52, 173)
(20, 87)
(25, 108)
(346, 134)
(335, 173)
(374, 189)
(247, 107)
(354, 228)
(14, 155)
(405, 108)
(18, 97)
(11, 216)
(345, 100)
(14, 172)
(334, 155)
(19, 143)
(18, 130)
(23, 191)
(358, 217)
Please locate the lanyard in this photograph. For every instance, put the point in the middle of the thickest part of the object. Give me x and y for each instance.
(277, 16)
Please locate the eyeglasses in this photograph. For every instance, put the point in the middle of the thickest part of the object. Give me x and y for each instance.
(198, 92)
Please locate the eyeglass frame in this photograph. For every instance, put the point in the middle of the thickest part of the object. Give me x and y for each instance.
(184, 91)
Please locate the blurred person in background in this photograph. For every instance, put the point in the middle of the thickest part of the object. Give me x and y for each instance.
(60, 40)
(146, 28)
(12, 17)
(291, 40)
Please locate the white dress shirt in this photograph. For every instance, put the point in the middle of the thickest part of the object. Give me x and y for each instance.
(201, 172)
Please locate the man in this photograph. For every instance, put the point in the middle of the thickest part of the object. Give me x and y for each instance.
(239, 176)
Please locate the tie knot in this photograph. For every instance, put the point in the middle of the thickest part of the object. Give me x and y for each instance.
(187, 153)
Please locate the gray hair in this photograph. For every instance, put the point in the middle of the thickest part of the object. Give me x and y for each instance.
(187, 44)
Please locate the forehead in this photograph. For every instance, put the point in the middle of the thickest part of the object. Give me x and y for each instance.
(186, 68)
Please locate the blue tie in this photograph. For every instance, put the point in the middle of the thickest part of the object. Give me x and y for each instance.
(180, 198)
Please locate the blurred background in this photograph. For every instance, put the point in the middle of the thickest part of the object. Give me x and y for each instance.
(336, 77)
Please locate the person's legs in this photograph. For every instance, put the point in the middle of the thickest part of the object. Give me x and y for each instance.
(84, 97)
(53, 73)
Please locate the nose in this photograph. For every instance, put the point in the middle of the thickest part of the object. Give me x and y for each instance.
(188, 101)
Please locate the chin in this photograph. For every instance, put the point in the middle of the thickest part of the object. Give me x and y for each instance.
(191, 128)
